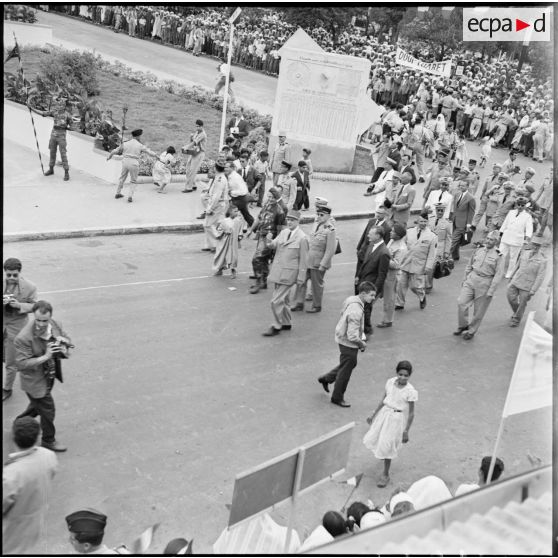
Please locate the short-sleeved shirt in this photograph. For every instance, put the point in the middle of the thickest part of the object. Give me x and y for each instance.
(398, 398)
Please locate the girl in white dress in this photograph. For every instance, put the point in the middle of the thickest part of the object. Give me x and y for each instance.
(486, 149)
(162, 169)
(390, 422)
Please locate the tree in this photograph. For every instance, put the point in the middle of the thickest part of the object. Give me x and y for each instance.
(386, 18)
(435, 30)
(541, 56)
(334, 20)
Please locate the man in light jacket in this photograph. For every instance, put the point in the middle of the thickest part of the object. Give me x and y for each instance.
(349, 334)
(516, 230)
(288, 269)
(26, 485)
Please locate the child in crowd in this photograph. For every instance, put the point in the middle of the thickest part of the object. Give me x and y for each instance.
(390, 422)
(228, 243)
(261, 166)
(306, 158)
(486, 149)
(162, 169)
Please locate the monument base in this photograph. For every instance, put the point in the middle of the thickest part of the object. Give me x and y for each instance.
(325, 157)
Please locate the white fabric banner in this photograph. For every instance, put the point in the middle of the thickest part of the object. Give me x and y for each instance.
(403, 58)
(531, 383)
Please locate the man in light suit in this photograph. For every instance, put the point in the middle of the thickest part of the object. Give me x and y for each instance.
(19, 295)
(417, 262)
(441, 227)
(404, 196)
(373, 268)
(289, 268)
(461, 216)
(322, 245)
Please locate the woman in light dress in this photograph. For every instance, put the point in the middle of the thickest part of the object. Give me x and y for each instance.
(390, 422)
(162, 169)
(229, 230)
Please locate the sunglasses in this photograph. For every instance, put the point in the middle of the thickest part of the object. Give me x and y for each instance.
(12, 274)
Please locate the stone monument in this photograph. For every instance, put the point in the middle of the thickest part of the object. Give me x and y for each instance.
(321, 103)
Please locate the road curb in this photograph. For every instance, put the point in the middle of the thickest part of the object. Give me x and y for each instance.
(187, 228)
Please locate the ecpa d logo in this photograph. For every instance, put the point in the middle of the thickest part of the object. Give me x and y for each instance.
(507, 24)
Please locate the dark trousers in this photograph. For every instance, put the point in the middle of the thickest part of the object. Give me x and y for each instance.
(375, 177)
(341, 374)
(43, 407)
(456, 237)
(58, 141)
(242, 203)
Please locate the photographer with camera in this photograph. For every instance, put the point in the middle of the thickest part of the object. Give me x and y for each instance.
(18, 298)
(38, 347)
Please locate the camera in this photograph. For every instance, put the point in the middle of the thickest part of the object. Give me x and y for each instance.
(62, 345)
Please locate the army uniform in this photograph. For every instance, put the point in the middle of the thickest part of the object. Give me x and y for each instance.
(526, 279)
(474, 179)
(62, 122)
(489, 186)
(442, 228)
(482, 275)
(270, 220)
(322, 245)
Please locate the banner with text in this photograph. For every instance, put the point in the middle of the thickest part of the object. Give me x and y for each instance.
(437, 68)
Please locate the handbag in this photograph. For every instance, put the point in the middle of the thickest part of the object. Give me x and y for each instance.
(441, 268)
(466, 238)
(191, 149)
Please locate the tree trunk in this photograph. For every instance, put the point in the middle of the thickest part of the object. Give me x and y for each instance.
(442, 52)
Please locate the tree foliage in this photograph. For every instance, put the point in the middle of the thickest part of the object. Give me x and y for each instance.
(386, 18)
(334, 20)
(435, 30)
(541, 57)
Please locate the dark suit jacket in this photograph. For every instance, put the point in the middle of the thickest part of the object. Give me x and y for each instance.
(374, 267)
(363, 242)
(251, 177)
(463, 213)
(242, 128)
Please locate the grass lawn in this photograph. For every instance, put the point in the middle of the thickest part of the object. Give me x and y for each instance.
(166, 119)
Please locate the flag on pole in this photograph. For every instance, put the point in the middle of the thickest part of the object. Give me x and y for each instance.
(14, 53)
(143, 542)
(531, 383)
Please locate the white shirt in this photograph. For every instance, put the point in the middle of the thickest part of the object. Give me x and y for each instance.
(516, 227)
(237, 186)
(434, 198)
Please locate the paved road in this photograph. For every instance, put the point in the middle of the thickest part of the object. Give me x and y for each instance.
(253, 89)
(172, 391)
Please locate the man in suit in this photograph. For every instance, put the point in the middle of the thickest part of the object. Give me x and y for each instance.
(247, 172)
(289, 268)
(238, 127)
(380, 219)
(302, 186)
(36, 346)
(441, 227)
(461, 216)
(374, 268)
(322, 245)
(417, 262)
(406, 166)
(19, 295)
(404, 196)
(440, 196)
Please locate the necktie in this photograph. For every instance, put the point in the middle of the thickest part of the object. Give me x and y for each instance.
(441, 194)
(435, 224)
(460, 198)
(418, 234)
(244, 174)
(289, 236)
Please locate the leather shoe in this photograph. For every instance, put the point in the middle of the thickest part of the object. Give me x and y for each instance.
(252, 276)
(254, 289)
(341, 403)
(54, 446)
(118, 196)
(271, 332)
(6, 393)
(297, 307)
(201, 216)
(49, 172)
(460, 330)
(423, 303)
(384, 324)
(399, 307)
(313, 310)
(324, 384)
(467, 335)
(286, 327)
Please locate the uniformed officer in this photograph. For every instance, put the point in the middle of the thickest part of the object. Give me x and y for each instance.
(62, 116)
(270, 220)
(322, 245)
(474, 177)
(442, 228)
(87, 528)
(526, 279)
(130, 151)
(489, 184)
(482, 275)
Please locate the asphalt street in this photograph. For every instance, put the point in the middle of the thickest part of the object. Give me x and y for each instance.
(172, 391)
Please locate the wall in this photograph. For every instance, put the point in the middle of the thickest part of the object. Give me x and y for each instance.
(82, 153)
(26, 34)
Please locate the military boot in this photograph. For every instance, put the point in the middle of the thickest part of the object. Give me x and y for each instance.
(255, 289)
(66, 175)
(49, 171)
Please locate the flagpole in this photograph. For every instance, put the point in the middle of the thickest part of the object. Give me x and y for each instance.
(27, 102)
(493, 457)
(226, 94)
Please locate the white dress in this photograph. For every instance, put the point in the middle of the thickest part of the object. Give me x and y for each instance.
(161, 169)
(384, 437)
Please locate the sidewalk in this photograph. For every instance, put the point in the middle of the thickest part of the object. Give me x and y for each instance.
(39, 207)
